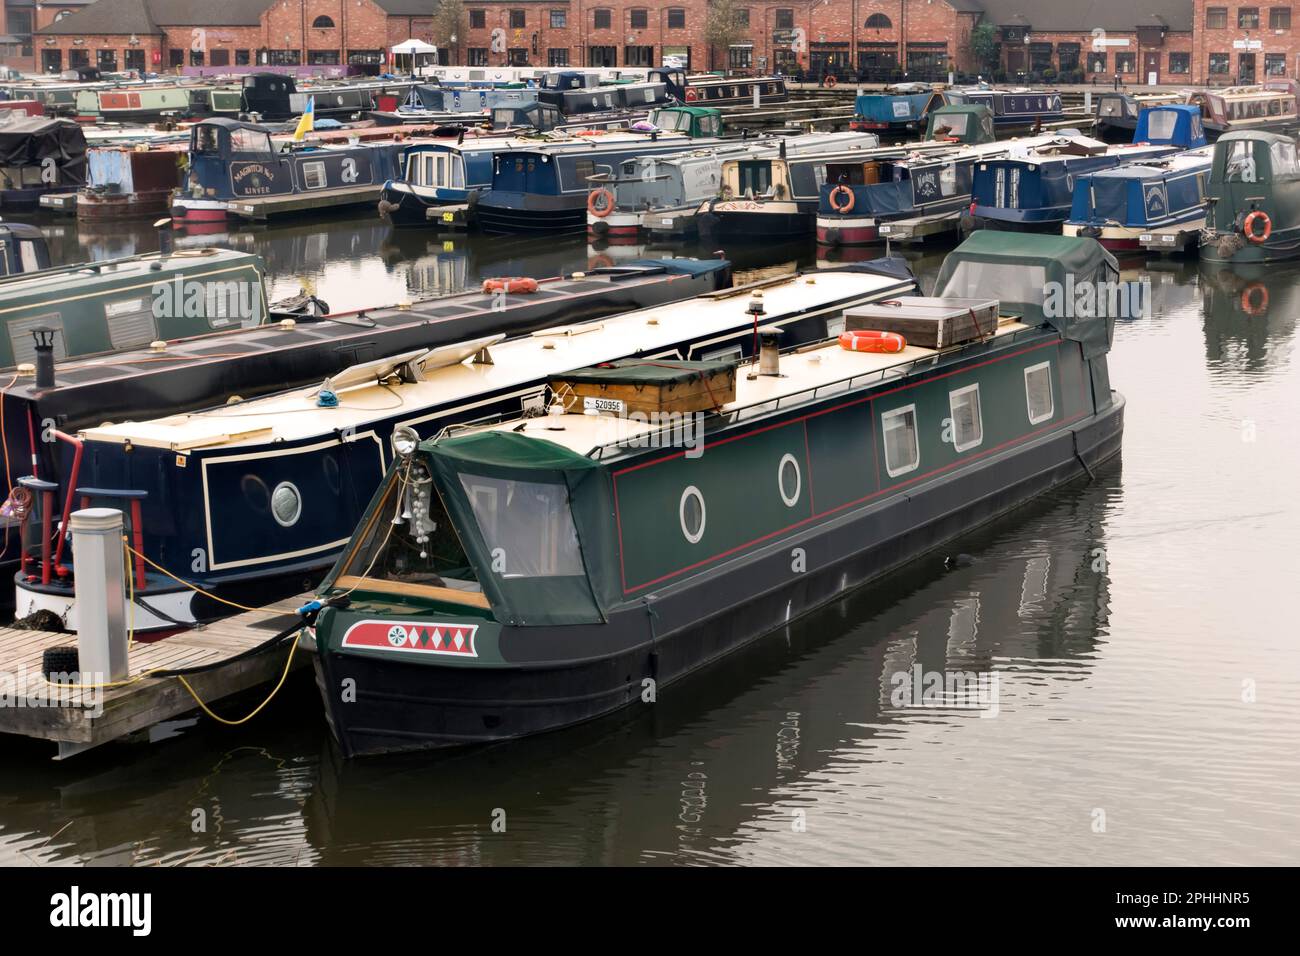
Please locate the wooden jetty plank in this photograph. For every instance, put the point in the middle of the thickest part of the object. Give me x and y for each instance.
(140, 704)
(264, 207)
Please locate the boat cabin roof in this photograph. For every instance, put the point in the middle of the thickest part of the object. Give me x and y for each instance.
(294, 414)
(806, 374)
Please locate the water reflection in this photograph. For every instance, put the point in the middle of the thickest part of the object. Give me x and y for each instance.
(1249, 316)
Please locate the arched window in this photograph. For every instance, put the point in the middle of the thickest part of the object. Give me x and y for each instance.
(878, 21)
(61, 14)
(323, 23)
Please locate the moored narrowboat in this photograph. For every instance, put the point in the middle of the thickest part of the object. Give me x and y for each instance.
(38, 155)
(1014, 110)
(544, 188)
(778, 196)
(663, 195)
(1033, 190)
(529, 575)
(439, 174)
(894, 111)
(278, 483)
(1253, 199)
(125, 184)
(1238, 108)
(858, 197)
(1155, 198)
(710, 90)
(1118, 110)
(230, 160)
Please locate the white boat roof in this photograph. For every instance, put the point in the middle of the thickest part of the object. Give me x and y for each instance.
(818, 371)
(519, 362)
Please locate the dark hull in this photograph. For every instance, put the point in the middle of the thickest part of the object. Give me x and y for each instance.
(510, 213)
(403, 706)
(403, 207)
(757, 225)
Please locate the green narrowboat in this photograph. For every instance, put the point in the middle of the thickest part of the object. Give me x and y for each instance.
(522, 576)
(128, 303)
(1253, 199)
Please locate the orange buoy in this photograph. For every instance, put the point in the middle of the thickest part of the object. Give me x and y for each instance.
(511, 286)
(1251, 303)
(847, 204)
(596, 210)
(870, 340)
(831, 82)
(1248, 227)
(692, 95)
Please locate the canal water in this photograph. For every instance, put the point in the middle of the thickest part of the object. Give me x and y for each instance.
(1131, 642)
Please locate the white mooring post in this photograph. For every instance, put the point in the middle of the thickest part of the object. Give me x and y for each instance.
(100, 593)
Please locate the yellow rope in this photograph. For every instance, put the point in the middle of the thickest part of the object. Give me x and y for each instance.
(193, 587)
(288, 664)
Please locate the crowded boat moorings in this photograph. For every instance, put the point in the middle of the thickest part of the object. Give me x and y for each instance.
(367, 464)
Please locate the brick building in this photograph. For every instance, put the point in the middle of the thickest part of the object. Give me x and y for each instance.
(1170, 41)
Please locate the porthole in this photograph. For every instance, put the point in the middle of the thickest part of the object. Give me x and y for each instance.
(286, 504)
(788, 480)
(690, 511)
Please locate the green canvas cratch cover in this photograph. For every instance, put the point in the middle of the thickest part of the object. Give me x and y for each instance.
(964, 122)
(1043, 279)
(645, 372)
(534, 519)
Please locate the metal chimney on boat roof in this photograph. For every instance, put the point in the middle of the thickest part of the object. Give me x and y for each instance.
(44, 337)
(769, 362)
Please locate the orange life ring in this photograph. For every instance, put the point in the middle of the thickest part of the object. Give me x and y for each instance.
(510, 286)
(598, 211)
(870, 340)
(1248, 227)
(1248, 303)
(831, 82)
(841, 190)
(692, 96)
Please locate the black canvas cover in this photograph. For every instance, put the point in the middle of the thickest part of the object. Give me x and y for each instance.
(32, 140)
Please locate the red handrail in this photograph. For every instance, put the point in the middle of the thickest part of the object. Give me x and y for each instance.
(67, 501)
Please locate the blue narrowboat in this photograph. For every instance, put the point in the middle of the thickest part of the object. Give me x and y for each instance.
(425, 99)
(230, 161)
(545, 187)
(896, 110)
(437, 174)
(1118, 206)
(1012, 109)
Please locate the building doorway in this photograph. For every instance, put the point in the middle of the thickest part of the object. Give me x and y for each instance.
(1245, 68)
(1151, 67)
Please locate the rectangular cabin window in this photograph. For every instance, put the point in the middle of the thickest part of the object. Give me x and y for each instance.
(1038, 392)
(1239, 164)
(583, 169)
(902, 452)
(24, 346)
(527, 524)
(967, 418)
(130, 322)
(755, 178)
(249, 141)
(1282, 159)
(313, 175)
